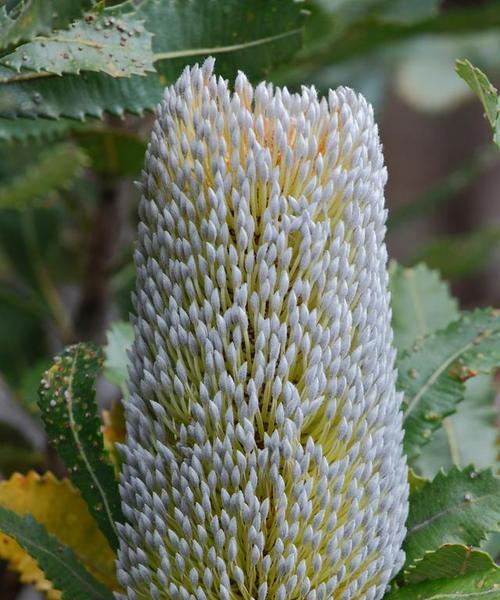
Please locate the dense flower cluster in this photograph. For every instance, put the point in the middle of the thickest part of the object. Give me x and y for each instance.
(263, 457)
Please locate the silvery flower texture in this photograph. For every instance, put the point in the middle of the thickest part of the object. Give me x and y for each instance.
(264, 449)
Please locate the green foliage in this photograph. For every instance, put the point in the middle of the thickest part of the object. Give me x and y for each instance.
(421, 304)
(120, 48)
(78, 96)
(449, 560)
(416, 481)
(58, 561)
(433, 373)
(469, 436)
(120, 337)
(460, 507)
(44, 74)
(252, 37)
(53, 170)
(341, 31)
(31, 17)
(23, 130)
(69, 412)
(476, 586)
(487, 93)
(113, 152)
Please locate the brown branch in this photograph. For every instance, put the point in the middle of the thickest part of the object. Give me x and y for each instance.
(92, 313)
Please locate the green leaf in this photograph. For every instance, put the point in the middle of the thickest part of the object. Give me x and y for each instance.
(450, 560)
(421, 303)
(21, 331)
(78, 96)
(250, 36)
(481, 86)
(119, 340)
(31, 17)
(69, 412)
(53, 170)
(113, 153)
(58, 561)
(487, 93)
(367, 34)
(416, 482)
(118, 47)
(23, 130)
(460, 507)
(483, 585)
(432, 375)
(454, 444)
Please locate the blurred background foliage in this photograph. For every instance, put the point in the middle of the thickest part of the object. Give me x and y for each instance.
(74, 128)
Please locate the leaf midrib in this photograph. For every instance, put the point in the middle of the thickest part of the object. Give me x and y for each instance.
(20, 537)
(68, 395)
(435, 375)
(223, 49)
(450, 509)
(460, 595)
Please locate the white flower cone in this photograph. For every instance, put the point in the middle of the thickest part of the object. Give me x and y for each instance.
(264, 450)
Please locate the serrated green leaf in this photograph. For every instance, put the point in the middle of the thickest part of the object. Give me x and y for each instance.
(460, 507)
(58, 562)
(79, 96)
(432, 375)
(481, 86)
(253, 37)
(485, 90)
(416, 482)
(58, 506)
(454, 444)
(119, 339)
(69, 412)
(31, 17)
(449, 560)
(23, 130)
(421, 304)
(484, 585)
(51, 172)
(118, 47)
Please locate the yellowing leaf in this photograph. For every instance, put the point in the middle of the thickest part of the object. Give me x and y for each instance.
(113, 432)
(59, 506)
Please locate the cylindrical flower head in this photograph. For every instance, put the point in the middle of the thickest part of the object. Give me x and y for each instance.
(264, 451)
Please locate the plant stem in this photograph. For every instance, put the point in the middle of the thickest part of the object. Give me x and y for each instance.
(92, 313)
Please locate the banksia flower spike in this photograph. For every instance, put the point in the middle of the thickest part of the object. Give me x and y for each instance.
(264, 448)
